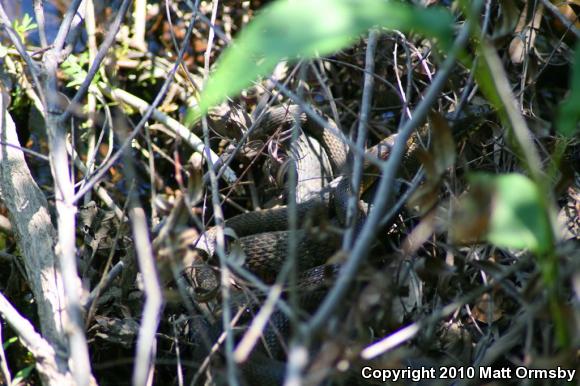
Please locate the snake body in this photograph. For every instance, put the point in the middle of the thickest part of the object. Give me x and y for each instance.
(264, 237)
(315, 197)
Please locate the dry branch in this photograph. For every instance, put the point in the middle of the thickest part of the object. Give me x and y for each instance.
(28, 211)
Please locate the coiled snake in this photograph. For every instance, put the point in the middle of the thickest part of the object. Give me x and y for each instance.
(263, 235)
(322, 191)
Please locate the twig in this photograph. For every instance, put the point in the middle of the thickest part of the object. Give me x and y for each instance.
(384, 191)
(91, 28)
(102, 193)
(146, 342)
(33, 153)
(39, 14)
(190, 138)
(224, 270)
(258, 324)
(89, 305)
(365, 111)
(4, 370)
(146, 115)
(467, 88)
(514, 117)
(294, 367)
(405, 95)
(66, 221)
(31, 223)
(139, 18)
(409, 332)
(47, 360)
(32, 67)
(219, 219)
(65, 26)
(96, 64)
(376, 76)
(396, 208)
(567, 23)
(105, 282)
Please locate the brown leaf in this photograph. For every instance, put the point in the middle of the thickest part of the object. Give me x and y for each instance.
(443, 145)
(470, 218)
(525, 33)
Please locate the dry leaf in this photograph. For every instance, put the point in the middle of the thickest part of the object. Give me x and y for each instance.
(525, 33)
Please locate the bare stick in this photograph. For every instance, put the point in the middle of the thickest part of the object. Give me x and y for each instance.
(563, 19)
(91, 28)
(65, 206)
(139, 18)
(28, 211)
(361, 137)
(39, 14)
(409, 332)
(146, 115)
(6, 24)
(48, 362)
(219, 219)
(190, 138)
(96, 64)
(384, 191)
(4, 370)
(66, 221)
(146, 342)
(66, 25)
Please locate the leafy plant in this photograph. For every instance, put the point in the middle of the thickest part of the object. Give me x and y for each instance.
(74, 67)
(9, 342)
(22, 374)
(23, 27)
(518, 217)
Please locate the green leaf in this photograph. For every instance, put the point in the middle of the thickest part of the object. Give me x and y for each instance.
(569, 112)
(518, 217)
(27, 24)
(23, 374)
(306, 28)
(9, 342)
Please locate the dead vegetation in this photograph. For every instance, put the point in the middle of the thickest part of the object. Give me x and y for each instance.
(429, 290)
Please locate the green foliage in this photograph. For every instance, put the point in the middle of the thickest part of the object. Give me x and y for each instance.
(9, 342)
(22, 374)
(519, 218)
(24, 26)
(569, 113)
(74, 67)
(305, 29)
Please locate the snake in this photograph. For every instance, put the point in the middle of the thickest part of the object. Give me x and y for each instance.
(263, 235)
(322, 191)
